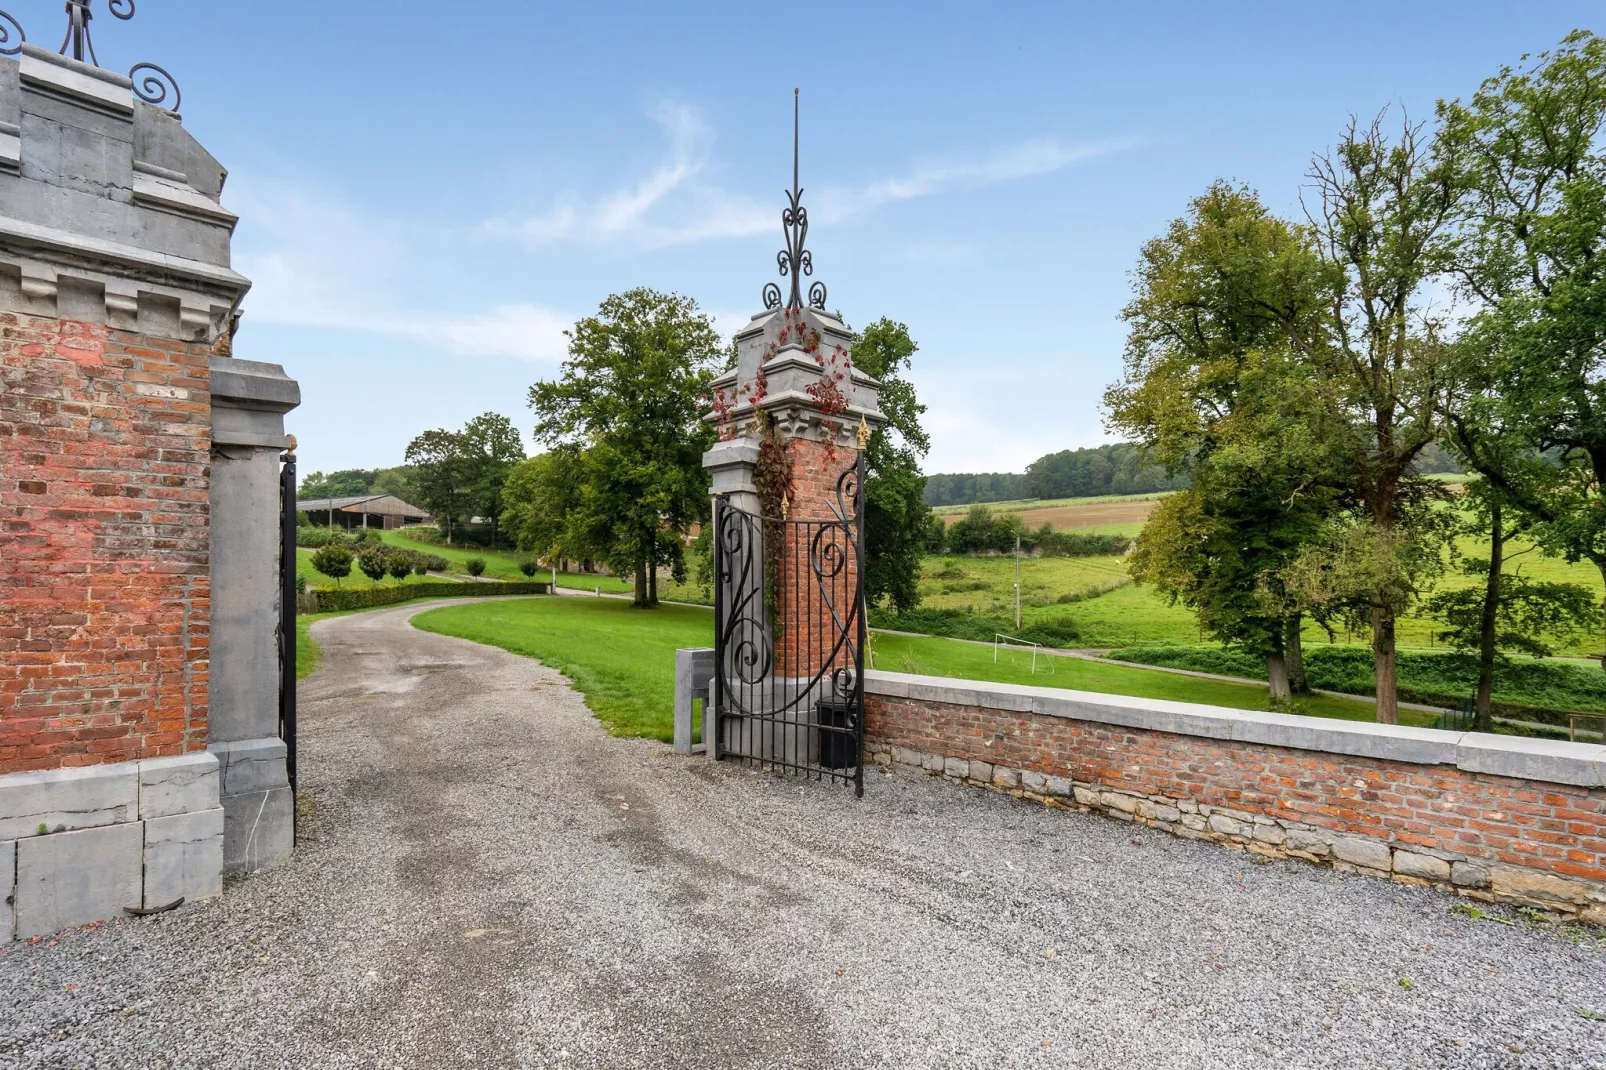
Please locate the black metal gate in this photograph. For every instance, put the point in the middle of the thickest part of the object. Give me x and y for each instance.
(789, 637)
(287, 611)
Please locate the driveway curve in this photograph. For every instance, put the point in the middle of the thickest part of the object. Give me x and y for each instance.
(489, 880)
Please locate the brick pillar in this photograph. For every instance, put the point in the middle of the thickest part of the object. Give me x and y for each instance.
(114, 284)
(795, 367)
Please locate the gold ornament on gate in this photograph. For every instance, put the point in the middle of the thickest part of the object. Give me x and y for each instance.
(864, 433)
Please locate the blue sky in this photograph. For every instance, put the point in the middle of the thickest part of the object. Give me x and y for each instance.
(430, 193)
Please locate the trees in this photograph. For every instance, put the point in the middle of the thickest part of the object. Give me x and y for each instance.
(346, 483)
(537, 502)
(1504, 610)
(491, 447)
(1381, 222)
(896, 516)
(1216, 389)
(628, 403)
(1532, 254)
(441, 476)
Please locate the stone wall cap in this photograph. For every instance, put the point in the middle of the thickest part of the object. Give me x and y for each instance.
(1542, 760)
(254, 384)
(1556, 761)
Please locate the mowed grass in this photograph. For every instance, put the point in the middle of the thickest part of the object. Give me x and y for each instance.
(623, 660)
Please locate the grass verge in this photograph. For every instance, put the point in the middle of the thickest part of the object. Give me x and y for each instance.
(622, 660)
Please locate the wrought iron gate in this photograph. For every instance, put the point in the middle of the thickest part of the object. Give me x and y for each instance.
(287, 611)
(789, 637)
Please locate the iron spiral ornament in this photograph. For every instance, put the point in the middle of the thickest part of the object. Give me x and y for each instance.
(153, 87)
(795, 261)
(11, 36)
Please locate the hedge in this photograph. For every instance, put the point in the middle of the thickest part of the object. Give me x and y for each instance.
(336, 601)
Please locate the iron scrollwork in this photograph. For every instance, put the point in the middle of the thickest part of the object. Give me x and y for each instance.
(153, 87)
(795, 261)
(10, 28)
(789, 652)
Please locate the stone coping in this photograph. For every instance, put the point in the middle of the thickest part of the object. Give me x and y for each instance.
(1542, 760)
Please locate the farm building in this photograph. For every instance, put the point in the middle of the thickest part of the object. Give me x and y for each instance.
(383, 511)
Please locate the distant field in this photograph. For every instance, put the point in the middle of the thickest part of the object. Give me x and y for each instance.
(1115, 515)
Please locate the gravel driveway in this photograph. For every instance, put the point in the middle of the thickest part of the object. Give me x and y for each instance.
(492, 881)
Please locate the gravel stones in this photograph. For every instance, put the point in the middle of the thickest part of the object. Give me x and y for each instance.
(473, 893)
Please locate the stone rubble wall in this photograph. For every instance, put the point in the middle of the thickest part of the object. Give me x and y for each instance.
(1525, 825)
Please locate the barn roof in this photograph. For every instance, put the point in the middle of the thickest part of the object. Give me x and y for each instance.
(378, 504)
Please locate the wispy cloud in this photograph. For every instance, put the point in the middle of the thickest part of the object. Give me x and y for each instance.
(674, 204)
(317, 263)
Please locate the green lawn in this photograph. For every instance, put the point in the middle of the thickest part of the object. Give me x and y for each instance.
(622, 659)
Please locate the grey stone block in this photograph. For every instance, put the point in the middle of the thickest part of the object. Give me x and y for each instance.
(183, 857)
(1223, 825)
(981, 772)
(1369, 854)
(1552, 761)
(1006, 779)
(1309, 842)
(1085, 796)
(932, 763)
(1119, 802)
(1272, 834)
(1423, 867)
(1058, 785)
(1195, 822)
(905, 756)
(182, 785)
(694, 671)
(258, 830)
(956, 767)
(1169, 814)
(69, 799)
(1469, 875)
(1036, 783)
(251, 765)
(73, 878)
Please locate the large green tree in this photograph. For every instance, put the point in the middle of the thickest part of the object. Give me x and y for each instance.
(1382, 215)
(1531, 256)
(491, 447)
(1216, 389)
(629, 398)
(442, 476)
(896, 516)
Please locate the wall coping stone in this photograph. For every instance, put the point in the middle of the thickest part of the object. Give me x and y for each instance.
(23, 235)
(1543, 760)
(253, 384)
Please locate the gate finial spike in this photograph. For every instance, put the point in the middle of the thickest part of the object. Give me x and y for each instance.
(864, 433)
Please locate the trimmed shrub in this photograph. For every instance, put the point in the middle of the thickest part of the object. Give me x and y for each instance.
(334, 561)
(529, 567)
(369, 597)
(436, 563)
(400, 564)
(373, 563)
(475, 566)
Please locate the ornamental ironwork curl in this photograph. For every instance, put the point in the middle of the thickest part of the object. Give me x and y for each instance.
(153, 87)
(11, 28)
(795, 261)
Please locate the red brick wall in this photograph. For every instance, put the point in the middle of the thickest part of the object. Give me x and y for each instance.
(808, 634)
(1553, 828)
(104, 464)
